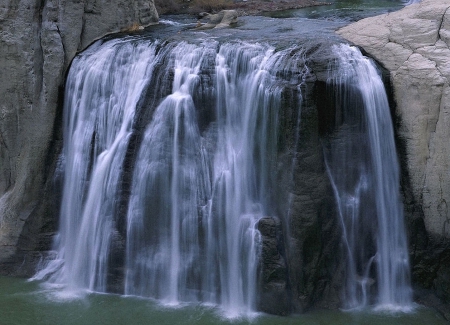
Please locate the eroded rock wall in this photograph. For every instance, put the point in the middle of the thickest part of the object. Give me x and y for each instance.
(413, 44)
(38, 41)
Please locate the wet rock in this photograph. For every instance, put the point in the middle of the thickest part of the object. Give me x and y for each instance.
(311, 233)
(273, 296)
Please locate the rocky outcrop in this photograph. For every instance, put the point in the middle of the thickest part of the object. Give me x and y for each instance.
(39, 40)
(413, 45)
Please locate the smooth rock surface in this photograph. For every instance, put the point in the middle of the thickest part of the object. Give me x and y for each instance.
(38, 41)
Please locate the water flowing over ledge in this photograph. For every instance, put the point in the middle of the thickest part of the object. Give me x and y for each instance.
(172, 157)
(364, 172)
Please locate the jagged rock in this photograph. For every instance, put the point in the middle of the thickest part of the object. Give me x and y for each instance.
(39, 39)
(313, 255)
(413, 44)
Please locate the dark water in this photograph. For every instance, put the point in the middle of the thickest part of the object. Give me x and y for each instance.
(31, 303)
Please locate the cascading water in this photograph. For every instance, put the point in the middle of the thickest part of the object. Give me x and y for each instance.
(171, 162)
(196, 190)
(364, 171)
(202, 244)
(171, 183)
(102, 90)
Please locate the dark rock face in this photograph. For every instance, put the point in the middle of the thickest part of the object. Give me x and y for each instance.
(273, 296)
(311, 220)
(310, 253)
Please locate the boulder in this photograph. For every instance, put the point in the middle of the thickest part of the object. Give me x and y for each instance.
(39, 40)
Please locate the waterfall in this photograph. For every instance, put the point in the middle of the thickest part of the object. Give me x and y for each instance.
(364, 171)
(170, 183)
(171, 163)
(161, 199)
(102, 90)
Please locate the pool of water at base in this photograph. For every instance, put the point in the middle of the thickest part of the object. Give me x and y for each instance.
(33, 303)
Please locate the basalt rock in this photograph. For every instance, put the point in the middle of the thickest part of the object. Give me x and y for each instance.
(273, 295)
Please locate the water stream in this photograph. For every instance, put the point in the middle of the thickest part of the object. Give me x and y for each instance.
(345, 10)
(364, 171)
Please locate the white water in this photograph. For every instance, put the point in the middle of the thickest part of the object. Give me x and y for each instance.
(195, 198)
(185, 228)
(102, 91)
(163, 244)
(364, 171)
(202, 243)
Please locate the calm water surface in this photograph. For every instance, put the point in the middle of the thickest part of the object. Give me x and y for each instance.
(31, 303)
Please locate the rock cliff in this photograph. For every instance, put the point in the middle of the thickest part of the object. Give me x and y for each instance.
(413, 45)
(38, 41)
